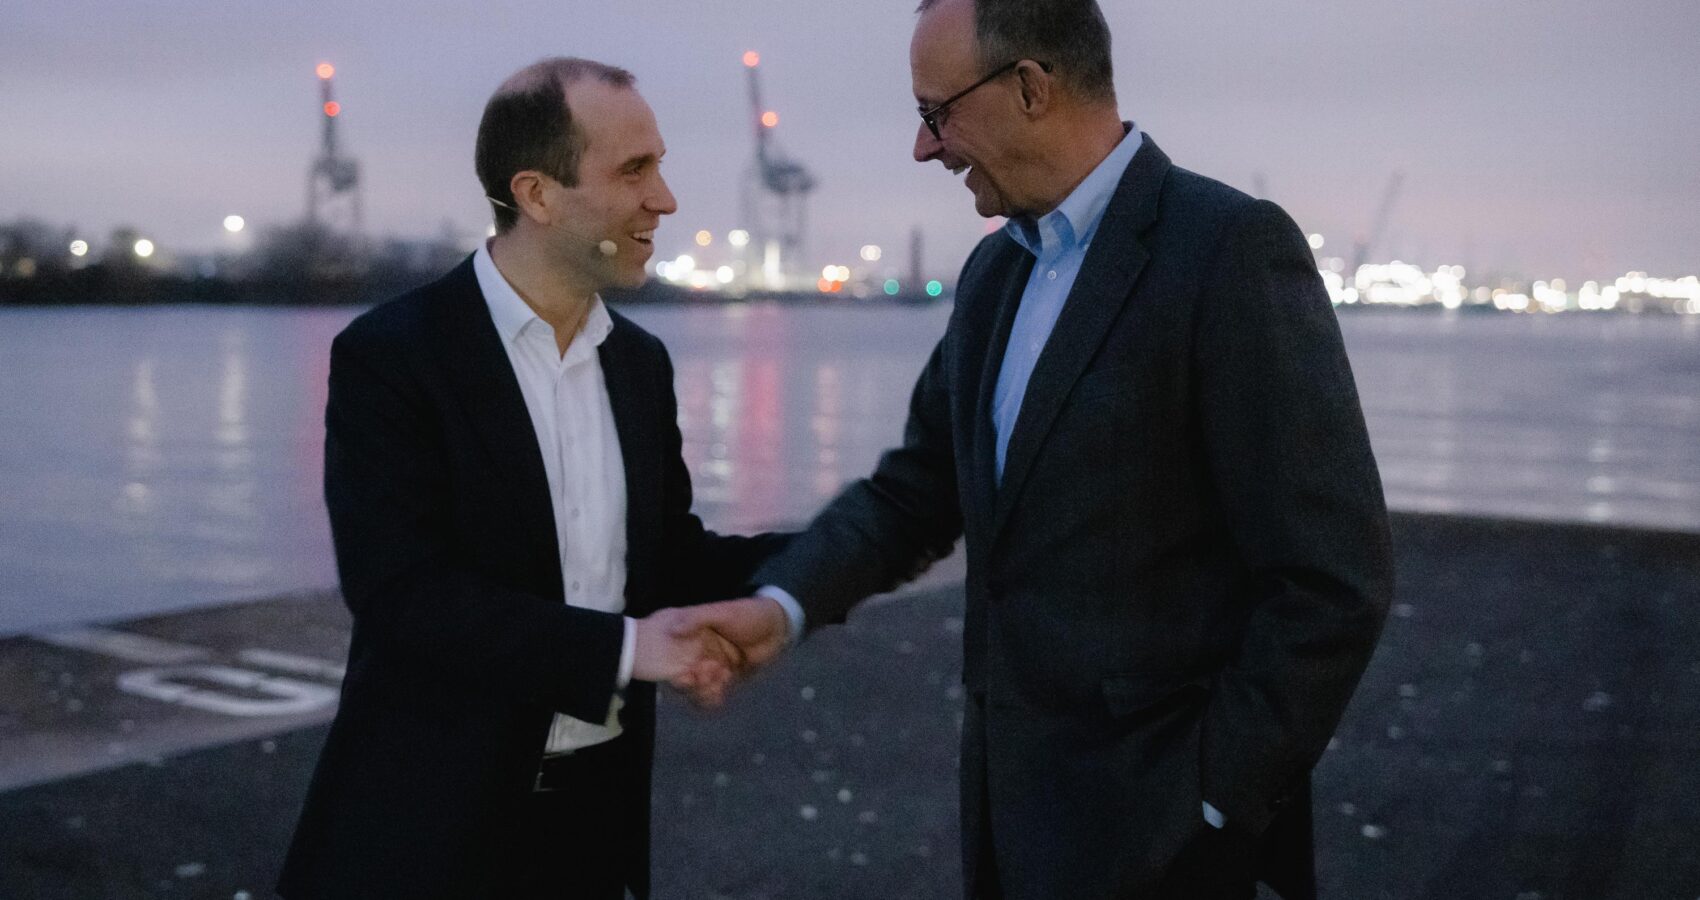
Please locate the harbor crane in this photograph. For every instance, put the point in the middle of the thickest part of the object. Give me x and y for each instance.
(333, 180)
(776, 190)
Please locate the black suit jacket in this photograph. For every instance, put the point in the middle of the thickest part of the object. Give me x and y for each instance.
(462, 648)
(1176, 587)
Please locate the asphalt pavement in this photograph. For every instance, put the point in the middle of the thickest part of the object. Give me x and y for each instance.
(1526, 731)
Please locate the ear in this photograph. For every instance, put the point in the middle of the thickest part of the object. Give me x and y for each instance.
(530, 195)
(1038, 88)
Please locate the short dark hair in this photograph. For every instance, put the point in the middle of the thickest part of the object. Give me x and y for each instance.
(1071, 35)
(528, 125)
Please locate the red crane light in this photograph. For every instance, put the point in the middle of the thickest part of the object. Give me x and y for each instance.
(770, 118)
(326, 70)
(751, 59)
(332, 108)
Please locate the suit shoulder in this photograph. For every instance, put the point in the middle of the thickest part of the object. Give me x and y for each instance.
(391, 322)
(1219, 209)
(400, 319)
(1202, 195)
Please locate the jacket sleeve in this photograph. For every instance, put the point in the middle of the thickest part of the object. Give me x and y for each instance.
(1290, 460)
(387, 487)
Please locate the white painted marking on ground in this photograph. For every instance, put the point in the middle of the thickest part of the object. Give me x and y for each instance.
(290, 662)
(292, 697)
(122, 645)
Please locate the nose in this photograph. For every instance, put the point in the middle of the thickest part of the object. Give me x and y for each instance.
(926, 146)
(661, 202)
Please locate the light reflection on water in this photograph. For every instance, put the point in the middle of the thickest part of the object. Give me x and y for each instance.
(170, 457)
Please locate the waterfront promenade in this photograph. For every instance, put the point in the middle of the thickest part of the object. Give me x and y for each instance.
(1526, 730)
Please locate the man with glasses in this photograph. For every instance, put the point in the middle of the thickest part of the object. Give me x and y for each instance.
(1142, 421)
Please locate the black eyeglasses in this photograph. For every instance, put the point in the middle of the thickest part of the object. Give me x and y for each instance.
(935, 116)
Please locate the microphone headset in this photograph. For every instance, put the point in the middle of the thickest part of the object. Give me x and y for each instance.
(604, 246)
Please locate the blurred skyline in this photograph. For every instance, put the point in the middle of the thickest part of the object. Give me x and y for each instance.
(1544, 140)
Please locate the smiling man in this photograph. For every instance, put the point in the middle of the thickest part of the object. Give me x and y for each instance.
(1142, 423)
(506, 492)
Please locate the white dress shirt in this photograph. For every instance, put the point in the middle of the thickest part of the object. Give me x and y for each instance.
(568, 402)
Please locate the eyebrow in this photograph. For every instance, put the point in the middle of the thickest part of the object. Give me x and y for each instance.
(642, 160)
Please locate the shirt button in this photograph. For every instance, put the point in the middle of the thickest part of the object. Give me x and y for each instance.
(575, 587)
(573, 514)
(1052, 275)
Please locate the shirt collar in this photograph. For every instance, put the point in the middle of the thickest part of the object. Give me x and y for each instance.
(512, 314)
(1076, 218)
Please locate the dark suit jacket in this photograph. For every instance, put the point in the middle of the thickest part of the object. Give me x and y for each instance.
(462, 646)
(1174, 591)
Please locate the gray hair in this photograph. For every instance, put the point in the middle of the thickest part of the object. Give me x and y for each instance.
(1071, 35)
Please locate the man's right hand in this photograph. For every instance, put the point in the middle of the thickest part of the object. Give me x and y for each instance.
(688, 656)
(756, 627)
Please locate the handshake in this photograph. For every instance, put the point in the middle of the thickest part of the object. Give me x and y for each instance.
(703, 650)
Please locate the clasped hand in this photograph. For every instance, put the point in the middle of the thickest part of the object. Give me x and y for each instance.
(702, 651)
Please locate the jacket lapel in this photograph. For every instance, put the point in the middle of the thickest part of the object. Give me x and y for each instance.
(632, 397)
(483, 379)
(1101, 290)
(1003, 286)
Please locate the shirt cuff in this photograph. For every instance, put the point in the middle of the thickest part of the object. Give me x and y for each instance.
(1214, 816)
(628, 655)
(793, 609)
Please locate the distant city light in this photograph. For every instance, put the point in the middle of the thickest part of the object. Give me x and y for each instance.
(143, 248)
(751, 59)
(704, 238)
(738, 237)
(1316, 242)
(934, 288)
(770, 118)
(79, 248)
(234, 224)
(333, 108)
(723, 274)
(892, 287)
(684, 264)
(871, 252)
(830, 273)
(326, 70)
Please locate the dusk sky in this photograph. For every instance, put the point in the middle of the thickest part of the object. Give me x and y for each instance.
(1546, 139)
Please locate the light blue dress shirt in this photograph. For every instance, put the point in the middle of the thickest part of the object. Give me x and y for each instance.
(1058, 241)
